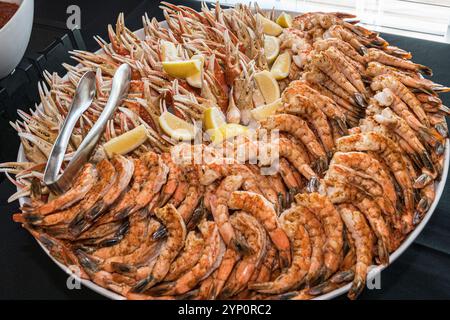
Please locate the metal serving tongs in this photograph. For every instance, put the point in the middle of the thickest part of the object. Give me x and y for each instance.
(83, 98)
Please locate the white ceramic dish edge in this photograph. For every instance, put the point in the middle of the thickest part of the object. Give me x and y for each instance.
(375, 270)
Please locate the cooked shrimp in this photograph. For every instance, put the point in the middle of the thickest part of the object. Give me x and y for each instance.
(215, 170)
(439, 123)
(327, 66)
(264, 212)
(124, 169)
(362, 236)
(317, 77)
(124, 205)
(298, 128)
(289, 179)
(122, 245)
(254, 233)
(375, 69)
(193, 198)
(209, 261)
(427, 195)
(187, 258)
(180, 192)
(292, 277)
(344, 47)
(230, 258)
(106, 176)
(323, 103)
(351, 112)
(289, 150)
(348, 70)
(332, 224)
(345, 35)
(157, 178)
(339, 193)
(363, 162)
(172, 179)
(265, 186)
(58, 249)
(105, 235)
(189, 205)
(295, 102)
(363, 182)
(144, 254)
(219, 210)
(306, 218)
(84, 181)
(388, 99)
(390, 154)
(401, 128)
(277, 183)
(294, 42)
(265, 270)
(319, 20)
(176, 231)
(388, 81)
(374, 54)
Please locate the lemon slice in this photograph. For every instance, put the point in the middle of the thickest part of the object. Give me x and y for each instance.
(281, 66)
(271, 48)
(196, 79)
(175, 127)
(126, 142)
(182, 69)
(169, 51)
(269, 27)
(265, 111)
(268, 86)
(227, 131)
(284, 20)
(213, 118)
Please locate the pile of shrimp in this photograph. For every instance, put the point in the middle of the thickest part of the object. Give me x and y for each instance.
(361, 147)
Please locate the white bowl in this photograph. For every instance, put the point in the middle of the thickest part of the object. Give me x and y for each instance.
(15, 35)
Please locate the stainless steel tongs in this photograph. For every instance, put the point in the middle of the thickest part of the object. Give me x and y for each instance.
(83, 98)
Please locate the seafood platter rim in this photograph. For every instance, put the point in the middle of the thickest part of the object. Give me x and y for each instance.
(375, 270)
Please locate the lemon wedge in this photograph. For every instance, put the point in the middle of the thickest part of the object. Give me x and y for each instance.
(281, 66)
(182, 69)
(169, 51)
(126, 142)
(269, 27)
(265, 111)
(268, 86)
(284, 20)
(196, 79)
(227, 131)
(271, 48)
(175, 127)
(213, 118)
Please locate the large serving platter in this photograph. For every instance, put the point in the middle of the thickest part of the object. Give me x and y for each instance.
(374, 271)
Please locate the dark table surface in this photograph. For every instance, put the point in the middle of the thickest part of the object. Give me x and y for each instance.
(422, 272)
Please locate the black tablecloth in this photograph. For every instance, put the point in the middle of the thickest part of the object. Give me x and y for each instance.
(27, 273)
